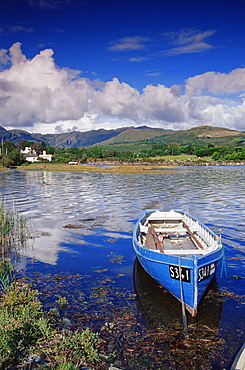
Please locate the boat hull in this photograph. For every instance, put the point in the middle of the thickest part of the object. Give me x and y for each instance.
(186, 277)
(239, 362)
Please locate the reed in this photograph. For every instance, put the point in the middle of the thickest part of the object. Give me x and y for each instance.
(14, 231)
(6, 274)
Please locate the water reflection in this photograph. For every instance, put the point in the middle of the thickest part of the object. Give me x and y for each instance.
(51, 200)
(80, 218)
(160, 308)
(201, 348)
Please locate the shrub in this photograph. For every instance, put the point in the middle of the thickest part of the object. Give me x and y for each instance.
(27, 330)
(22, 322)
(77, 347)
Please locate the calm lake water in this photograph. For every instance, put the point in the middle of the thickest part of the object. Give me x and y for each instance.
(83, 223)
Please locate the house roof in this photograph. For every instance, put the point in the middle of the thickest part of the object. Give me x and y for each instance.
(31, 155)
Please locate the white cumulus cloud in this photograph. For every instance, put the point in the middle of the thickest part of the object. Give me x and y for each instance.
(216, 83)
(118, 99)
(37, 90)
(38, 96)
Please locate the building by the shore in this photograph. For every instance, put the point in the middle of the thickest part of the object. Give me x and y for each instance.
(31, 155)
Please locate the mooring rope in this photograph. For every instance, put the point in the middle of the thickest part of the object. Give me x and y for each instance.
(223, 264)
(182, 301)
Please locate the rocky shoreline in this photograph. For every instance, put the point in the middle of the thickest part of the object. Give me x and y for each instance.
(165, 163)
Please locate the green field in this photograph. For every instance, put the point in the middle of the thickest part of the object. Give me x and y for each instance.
(181, 158)
(131, 147)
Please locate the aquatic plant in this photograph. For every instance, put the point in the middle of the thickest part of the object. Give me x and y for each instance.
(14, 230)
(6, 274)
(61, 302)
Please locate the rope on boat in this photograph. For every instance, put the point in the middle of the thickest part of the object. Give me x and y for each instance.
(223, 264)
(182, 301)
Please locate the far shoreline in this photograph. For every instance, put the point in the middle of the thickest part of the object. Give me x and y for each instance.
(99, 167)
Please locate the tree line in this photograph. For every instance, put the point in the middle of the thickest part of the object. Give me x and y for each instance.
(11, 155)
(225, 153)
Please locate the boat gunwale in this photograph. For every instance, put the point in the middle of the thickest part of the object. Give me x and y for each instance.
(183, 253)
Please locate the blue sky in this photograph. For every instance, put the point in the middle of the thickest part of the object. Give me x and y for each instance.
(78, 65)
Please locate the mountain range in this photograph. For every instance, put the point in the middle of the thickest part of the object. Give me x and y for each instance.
(125, 135)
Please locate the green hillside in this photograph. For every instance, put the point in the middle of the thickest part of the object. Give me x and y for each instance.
(204, 135)
(133, 135)
(131, 140)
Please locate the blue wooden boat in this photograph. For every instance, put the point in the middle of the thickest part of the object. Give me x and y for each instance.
(239, 362)
(178, 251)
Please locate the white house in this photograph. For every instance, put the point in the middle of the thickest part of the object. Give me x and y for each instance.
(46, 156)
(31, 155)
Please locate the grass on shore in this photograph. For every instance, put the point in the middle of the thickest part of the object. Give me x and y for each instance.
(106, 169)
(155, 165)
(29, 335)
(2, 168)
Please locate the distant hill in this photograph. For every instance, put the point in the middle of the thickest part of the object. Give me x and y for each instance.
(204, 135)
(67, 140)
(139, 136)
(7, 135)
(82, 139)
(79, 139)
(133, 134)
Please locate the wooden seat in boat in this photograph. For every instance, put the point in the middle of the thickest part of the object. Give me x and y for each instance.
(152, 242)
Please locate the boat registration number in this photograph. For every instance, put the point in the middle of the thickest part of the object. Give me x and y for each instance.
(206, 271)
(175, 272)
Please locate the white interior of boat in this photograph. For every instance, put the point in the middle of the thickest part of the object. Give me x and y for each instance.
(176, 233)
